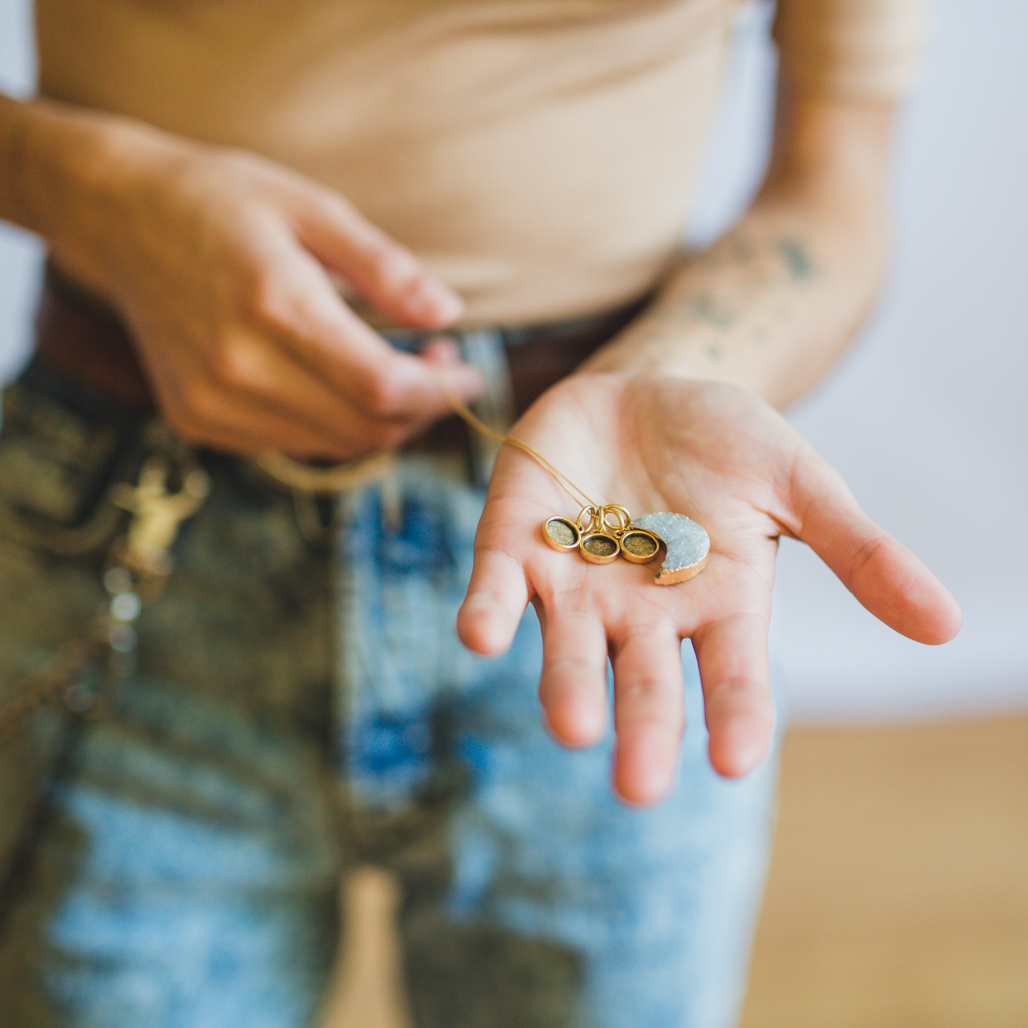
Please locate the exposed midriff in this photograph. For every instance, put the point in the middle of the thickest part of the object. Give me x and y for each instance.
(536, 154)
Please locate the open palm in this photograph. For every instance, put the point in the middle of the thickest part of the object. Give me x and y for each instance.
(729, 461)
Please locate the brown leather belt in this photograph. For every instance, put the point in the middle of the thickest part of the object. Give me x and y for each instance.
(83, 340)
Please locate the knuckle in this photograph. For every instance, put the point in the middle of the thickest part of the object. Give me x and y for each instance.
(269, 303)
(227, 367)
(381, 395)
(651, 699)
(648, 690)
(236, 366)
(390, 265)
(863, 558)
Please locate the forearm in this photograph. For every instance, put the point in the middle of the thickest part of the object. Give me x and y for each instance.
(773, 303)
(13, 130)
(70, 175)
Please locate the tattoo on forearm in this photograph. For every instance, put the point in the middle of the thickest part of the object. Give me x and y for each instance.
(706, 307)
(745, 269)
(796, 258)
(745, 292)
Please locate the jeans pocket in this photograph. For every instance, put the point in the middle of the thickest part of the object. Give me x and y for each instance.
(56, 466)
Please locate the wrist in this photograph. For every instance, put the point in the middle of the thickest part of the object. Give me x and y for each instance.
(75, 174)
(672, 341)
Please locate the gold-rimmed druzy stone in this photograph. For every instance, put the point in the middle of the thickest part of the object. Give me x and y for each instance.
(688, 545)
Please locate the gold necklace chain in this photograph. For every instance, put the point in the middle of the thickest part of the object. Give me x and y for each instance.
(579, 495)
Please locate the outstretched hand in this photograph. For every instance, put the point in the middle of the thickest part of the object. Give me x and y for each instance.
(726, 459)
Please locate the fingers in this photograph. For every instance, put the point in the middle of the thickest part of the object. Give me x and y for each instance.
(649, 716)
(382, 270)
(235, 424)
(733, 663)
(573, 684)
(255, 381)
(299, 306)
(883, 575)
(495, 602)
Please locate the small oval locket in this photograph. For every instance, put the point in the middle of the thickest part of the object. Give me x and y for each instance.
(639, 546)
(562, 534)
(600, 543)
(599, 547)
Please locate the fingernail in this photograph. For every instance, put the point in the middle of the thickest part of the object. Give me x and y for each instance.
(443, 349)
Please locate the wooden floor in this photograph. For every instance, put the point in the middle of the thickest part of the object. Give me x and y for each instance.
(898, 895)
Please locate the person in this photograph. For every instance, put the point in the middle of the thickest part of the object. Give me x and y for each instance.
(297, 231)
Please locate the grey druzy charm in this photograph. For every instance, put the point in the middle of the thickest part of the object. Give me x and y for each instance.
(688, 545)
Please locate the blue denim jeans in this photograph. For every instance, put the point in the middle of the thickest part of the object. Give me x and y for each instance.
(300, 704)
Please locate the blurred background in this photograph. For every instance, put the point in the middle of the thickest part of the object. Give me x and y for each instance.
(899, 891)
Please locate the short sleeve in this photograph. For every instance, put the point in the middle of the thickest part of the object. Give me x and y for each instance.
(865, 49)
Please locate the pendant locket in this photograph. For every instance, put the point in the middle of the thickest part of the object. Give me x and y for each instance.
(601, 541)
(601, 535)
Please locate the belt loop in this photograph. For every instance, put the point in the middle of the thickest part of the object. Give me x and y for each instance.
(484, 350)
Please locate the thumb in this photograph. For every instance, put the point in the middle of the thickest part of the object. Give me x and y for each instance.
(882, 573)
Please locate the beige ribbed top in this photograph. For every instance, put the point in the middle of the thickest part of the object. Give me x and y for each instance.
(536, 154)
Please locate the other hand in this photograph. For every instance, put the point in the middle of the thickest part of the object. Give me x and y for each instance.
(222, 263)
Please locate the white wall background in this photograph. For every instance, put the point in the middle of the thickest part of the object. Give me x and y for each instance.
(926, 417)
(19, 252)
